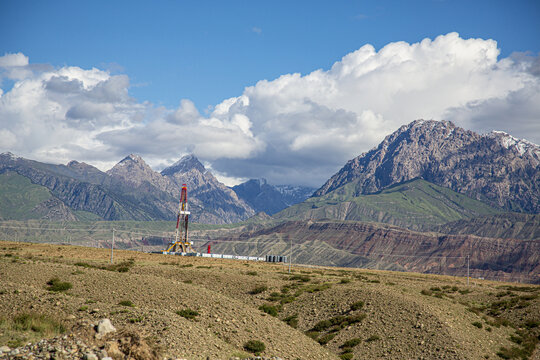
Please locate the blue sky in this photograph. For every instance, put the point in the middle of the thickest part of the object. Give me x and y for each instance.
(210, 50)
(285, 90)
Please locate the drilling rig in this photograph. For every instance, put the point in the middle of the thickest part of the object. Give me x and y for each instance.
(181, 240)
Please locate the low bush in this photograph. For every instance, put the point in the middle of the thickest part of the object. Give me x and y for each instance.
(373, 338)
(126, 303)
(357, 305)
(478, 324)
(302, 278)
(269, 309)
(254, 346)
(351, 343)
(292, 321)
(188, 313)
(29, 327)
(56, 285)
(325, 339)
(258, 290)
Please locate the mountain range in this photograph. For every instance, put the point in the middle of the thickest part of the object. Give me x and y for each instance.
(425, 174)
(130, 190)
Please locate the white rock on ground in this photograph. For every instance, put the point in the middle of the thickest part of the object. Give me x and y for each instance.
(104, 327)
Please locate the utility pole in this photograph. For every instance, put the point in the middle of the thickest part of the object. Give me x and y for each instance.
(290, 255)
(468, 270)
(112, 246)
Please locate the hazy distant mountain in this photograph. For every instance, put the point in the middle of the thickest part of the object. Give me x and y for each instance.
(271, 199)
(495, 168)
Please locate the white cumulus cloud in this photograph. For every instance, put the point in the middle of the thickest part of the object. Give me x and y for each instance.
(298, 128)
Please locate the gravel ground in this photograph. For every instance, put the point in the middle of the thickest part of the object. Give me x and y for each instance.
(399, 322)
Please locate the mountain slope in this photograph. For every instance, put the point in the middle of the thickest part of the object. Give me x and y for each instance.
(415, 204)
(495, 168)
(270, 199)
(381, 246)
(215, 202)
(77, 194)
(506, 226)
(20, 199)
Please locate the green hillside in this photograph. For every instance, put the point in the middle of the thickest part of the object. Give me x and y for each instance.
(415, 204)
(18, 196)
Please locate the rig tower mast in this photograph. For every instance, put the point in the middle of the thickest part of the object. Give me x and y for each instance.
(181, 240)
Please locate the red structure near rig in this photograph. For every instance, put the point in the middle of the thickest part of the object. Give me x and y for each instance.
(181, 239)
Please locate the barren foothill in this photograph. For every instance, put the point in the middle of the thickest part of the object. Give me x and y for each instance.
(312, 313)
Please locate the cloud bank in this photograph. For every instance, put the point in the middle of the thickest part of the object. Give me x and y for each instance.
(296, 129)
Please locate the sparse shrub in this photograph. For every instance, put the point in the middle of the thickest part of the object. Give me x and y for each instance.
(83, 264)
(188, 281)
(346, 356)
(185, 265)
(426, 292)
(530, 324)
(188, 313)
(292, 321)
(252, 273)
(489, 329)
(464, 291)
(83, 308)
(357, 305)
(373, 338)
(136, 320)
(56, 285)
(435, 288)
(126, 303)
(322, 325)
(351, 343)
(254, 346)
(203, 267)
(41, 324)
(478, 324)
(317, 288)
(269, 309)
(338, 322)
(302, 278)
(312, 334)
(258, 290)
(345, 281)
(122, 267)
(375, 281)
(325, 339)
(274, 296)
(287, 300)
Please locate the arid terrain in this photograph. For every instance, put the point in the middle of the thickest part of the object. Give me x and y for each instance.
(166, 306)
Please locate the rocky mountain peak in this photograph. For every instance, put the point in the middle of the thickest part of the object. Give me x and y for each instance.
(131, 163)
(489, 167)
(522, 146)
(185, 164)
